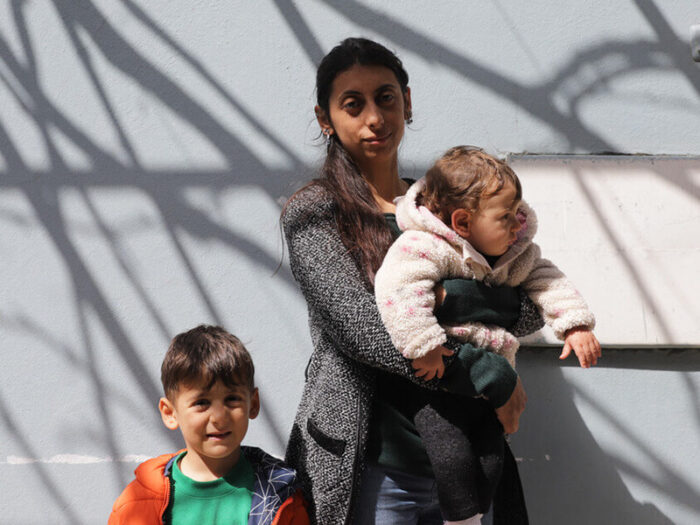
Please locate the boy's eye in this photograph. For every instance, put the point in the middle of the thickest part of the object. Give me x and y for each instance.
(201, 402)
(234, 398)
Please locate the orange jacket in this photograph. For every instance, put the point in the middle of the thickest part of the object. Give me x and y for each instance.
(276, 493)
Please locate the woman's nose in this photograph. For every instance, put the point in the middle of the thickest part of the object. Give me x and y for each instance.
(375, 118)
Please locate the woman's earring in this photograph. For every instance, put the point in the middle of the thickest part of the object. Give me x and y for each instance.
(408, 116)
(327, 132)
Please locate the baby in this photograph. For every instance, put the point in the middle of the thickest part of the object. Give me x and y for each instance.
(466, 219)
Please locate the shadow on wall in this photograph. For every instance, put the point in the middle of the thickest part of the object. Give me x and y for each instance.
(667, 52)
(41, 189)
(568, 477)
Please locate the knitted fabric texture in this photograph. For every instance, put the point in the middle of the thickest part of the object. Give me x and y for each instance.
(429, 251)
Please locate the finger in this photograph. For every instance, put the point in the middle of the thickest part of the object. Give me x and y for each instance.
(565, 351)
(430, 375)
(592, 352)
(447, 351)
(593, 356)
(420, 372)
(583, 359)
(440, 372)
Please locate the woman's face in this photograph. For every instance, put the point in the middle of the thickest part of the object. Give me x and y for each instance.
(366, 111)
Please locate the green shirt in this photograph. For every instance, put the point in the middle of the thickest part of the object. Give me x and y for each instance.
(224, 501)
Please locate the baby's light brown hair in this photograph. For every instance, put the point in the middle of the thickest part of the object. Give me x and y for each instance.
(460, 178)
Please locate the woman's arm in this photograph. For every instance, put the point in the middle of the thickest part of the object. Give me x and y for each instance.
(332, 285)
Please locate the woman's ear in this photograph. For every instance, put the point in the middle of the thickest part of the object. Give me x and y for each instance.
(167, 413)
(323, 121)
(408, 108)
(460, 221)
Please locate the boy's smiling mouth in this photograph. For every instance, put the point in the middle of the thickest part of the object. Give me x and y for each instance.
(218, 435)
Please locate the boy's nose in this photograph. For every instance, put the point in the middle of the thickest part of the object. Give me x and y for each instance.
(218, 414)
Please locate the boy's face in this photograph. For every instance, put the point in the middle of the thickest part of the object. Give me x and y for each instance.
(213, 423)
(493, 227)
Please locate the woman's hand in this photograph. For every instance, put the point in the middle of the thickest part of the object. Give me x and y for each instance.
(509, 414)
(431, 364)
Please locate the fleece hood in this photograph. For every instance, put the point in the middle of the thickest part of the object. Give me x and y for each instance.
(411, 216)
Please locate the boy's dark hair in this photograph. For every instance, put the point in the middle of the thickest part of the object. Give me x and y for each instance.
(461, 177)
(206, 354)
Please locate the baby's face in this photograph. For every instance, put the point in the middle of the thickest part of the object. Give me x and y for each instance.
(493, 227)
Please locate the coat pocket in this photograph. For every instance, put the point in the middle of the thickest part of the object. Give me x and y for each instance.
(333, 445)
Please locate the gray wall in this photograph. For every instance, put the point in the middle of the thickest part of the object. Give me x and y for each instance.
(146, 148)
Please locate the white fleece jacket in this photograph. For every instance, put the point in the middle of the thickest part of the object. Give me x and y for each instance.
(429, 251)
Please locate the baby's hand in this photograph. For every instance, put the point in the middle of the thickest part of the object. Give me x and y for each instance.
(431, 364)
(584, 344)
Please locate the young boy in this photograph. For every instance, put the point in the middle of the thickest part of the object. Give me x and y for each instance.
(207, 377)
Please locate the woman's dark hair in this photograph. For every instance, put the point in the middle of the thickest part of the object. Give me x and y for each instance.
(361, 223)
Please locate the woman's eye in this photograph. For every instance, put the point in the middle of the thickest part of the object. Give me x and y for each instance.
(351, 104)
(387, 98)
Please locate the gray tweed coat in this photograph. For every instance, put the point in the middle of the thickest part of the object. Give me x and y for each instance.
(328, 439)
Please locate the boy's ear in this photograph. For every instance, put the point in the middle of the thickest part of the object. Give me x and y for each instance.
(167, 413)
(254, 404)
(460, 220)
(323, 119)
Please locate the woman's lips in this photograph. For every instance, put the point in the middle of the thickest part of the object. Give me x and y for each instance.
(378, 140)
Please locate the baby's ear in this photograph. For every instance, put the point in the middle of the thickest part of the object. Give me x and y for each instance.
(254, 404)
(460, 220)
(167, 413)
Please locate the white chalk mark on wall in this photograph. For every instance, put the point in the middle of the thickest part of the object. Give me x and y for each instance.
(73, 459)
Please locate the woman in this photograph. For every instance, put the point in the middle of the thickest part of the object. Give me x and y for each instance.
(353, 441)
